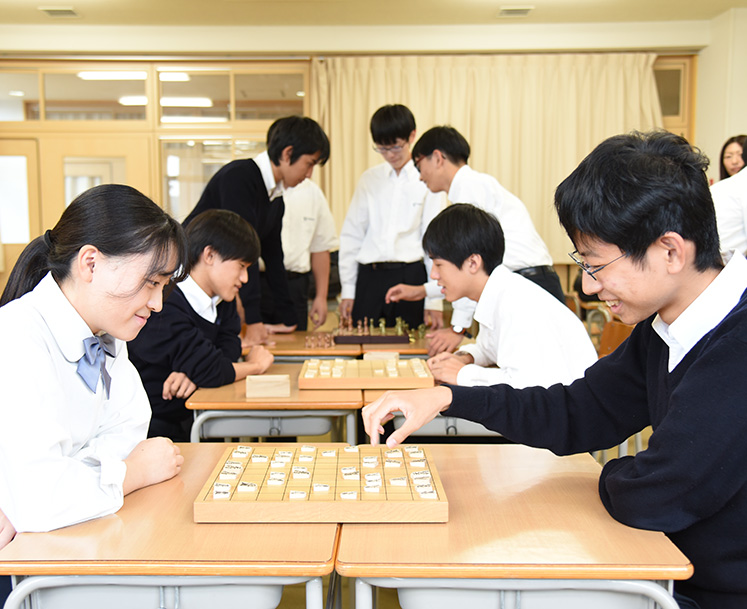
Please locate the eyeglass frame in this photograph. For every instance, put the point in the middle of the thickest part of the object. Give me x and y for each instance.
(386, 149)
(589, 269)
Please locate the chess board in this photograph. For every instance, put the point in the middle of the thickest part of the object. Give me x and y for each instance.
(365, 374)
(354, 336)
(330, 483)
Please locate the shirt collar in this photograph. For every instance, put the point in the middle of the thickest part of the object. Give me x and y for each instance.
(65, 324)
(406, 171)
(274, 189)
(203, 305)
(706, 311)
(491, 296)
(456, 181)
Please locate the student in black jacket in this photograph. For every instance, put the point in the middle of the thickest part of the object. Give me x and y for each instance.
(640, 215)
(253, 188)
(194, 340)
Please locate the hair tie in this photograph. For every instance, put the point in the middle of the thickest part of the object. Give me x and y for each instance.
(48, 238)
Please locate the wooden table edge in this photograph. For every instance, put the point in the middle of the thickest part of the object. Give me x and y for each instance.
(489, 571)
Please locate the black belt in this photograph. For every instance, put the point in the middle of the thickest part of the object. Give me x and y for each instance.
(294, 275)
(532, 271)
(389, 266)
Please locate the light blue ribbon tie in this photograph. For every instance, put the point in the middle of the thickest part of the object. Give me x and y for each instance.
(93, 362)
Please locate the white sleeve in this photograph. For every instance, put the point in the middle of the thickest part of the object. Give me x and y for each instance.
(324, 238)
(463, 311)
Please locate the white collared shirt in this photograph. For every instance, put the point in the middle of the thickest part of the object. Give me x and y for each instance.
(308, 226)
(61, 445)
(705, 312)
(203, 305)
(532, 337)
(730, 203)
(274, 189)
(386, 220)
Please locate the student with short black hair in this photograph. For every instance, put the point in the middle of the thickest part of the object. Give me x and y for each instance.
(526, 336)
(380, 238)
(253, 188)
(74, 411)
(441, 156)
(639, 213)
(194, 341)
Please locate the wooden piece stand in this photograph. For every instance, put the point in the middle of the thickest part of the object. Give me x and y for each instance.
(345, 501)
(349, 337)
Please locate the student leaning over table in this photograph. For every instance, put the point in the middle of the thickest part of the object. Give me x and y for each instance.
(639, 212)
(74, 411)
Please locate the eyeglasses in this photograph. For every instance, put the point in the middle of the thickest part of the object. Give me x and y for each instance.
(385, 149)
(589, 269)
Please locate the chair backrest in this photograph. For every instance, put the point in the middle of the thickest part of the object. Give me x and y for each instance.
(613, 334)
(573, 303)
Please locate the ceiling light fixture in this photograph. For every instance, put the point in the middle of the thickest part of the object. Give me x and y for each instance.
(133, 100)
(112, 75)
(16, 93)
(515, 11)
(173, 77)
(193, 119)
(186, 102)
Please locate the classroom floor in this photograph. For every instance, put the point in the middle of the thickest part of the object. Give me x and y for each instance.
(294, 597)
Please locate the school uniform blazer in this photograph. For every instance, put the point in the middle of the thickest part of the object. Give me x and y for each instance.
(177, 339)
(239, 187)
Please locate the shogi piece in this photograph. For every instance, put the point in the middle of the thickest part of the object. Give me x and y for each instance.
(365, 374)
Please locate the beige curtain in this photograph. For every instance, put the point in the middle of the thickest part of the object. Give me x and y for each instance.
(529, 119)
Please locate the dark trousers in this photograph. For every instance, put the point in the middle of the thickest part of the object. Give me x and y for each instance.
(5, 588)
(546, 278)
(373, 282)
(298, 284)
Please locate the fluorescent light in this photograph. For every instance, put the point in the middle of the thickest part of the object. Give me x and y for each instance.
(186, 102)
(173, 77)
(113, 75)
(300, 94)
(16, 94)
(194, 119)
(133, 100)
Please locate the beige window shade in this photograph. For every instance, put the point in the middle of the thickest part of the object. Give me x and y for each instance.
(529, 119)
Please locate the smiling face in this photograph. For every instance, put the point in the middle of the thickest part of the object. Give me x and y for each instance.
(225, 277)
(733, 161)
(632, 290)
(451, 278)
(122, 294)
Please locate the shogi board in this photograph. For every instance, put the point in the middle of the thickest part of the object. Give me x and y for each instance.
(308, 483)
(344, 337)
(365, 374)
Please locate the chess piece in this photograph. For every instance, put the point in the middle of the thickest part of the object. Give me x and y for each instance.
(382, 326)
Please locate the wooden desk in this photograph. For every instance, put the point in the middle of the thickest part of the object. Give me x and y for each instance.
(519, 519)
(154, 535)
(417, 348)
(222, 407)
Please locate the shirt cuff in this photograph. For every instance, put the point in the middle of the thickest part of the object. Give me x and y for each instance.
(434, 304)
(347, 292)
(432, 290)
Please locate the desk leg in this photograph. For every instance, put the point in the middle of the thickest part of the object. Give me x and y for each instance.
(351, 431)
(314, 594)
(363, 595)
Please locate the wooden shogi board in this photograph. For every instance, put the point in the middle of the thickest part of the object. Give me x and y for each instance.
(310, 483)
(365, 374)
(345, 337)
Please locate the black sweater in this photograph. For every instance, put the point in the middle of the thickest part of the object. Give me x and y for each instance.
(177, 339)
(239, 187)
(691, 482)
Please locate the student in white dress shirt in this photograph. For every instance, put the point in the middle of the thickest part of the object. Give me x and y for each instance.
(380, 241)
(441, 156)
(730, 201)
(308, 236)
(75, 413)
(533, 339)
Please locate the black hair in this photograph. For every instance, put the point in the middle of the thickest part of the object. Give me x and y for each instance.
(736, 139)
(116, 219)
(391, 123)
(461, 230)
(448, 140)
(302, 133)
(226, 232)
(633, 188)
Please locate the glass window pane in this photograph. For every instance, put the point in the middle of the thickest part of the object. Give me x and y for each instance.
(189, 166)
(82, 173)
(201, 98)
(668, 83)
(14, 204)
(117, 96)
(19, 96)
(268, 96)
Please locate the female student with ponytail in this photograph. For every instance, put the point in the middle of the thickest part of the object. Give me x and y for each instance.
(74, 411)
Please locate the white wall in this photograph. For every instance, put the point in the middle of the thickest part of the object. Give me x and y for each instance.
(721, 109)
